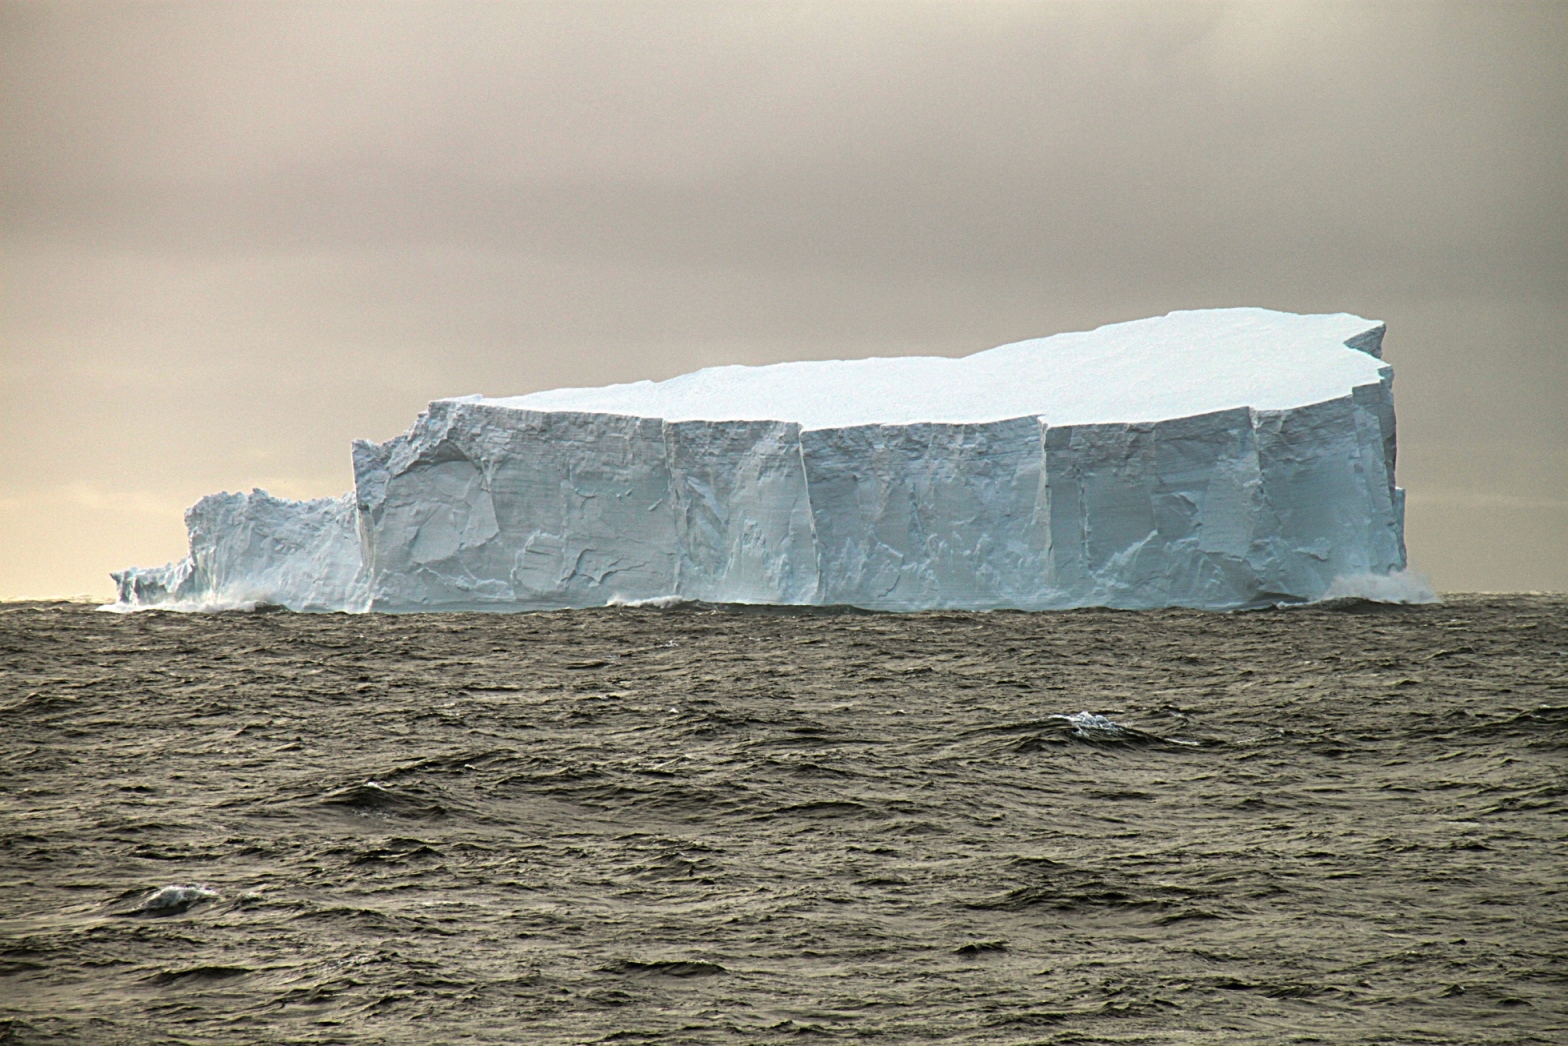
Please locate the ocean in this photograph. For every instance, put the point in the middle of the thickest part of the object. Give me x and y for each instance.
(1338, 824)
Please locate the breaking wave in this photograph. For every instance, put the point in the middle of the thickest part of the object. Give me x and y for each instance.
(172, 900)
(215, 605)
(656, 603)
(1099, 729)
(1399, 586)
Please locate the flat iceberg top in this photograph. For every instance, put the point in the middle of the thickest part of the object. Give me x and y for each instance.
(1174, 366)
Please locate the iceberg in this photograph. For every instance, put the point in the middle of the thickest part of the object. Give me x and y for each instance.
(253, 549)
(1222, 458)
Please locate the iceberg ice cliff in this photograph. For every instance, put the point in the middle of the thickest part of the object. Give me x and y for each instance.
(254, 548)
(1219, 458)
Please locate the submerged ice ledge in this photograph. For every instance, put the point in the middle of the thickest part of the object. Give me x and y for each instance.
(1222, 459)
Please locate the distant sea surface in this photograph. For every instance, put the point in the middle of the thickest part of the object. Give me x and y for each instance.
(1337, 824)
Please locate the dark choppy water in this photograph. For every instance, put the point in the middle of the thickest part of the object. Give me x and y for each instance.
(726, 826)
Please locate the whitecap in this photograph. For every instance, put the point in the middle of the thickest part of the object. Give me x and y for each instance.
(655, 603)
(1397, 586)
(215, 605)
(1092, 727)
(174, 899)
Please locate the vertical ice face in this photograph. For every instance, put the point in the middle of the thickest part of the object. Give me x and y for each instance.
(743, 516)
(1155, 514)
(1225, 458)
(480, 507)
(928, 516)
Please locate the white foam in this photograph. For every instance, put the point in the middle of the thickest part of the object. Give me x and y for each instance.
(170, 900)
(1093, 727)
(217, 604)
(656, 603)
(1397, 586)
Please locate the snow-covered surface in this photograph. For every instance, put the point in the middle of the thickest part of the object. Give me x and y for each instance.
(1221, 458)
(1174, 366)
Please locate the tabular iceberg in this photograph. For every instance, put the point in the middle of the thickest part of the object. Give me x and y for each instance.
(1219, 458)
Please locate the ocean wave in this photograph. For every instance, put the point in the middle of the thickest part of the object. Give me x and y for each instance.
(1402, 587)
(215, 605)
(1099, 729)
(174, 899)
(655, 603)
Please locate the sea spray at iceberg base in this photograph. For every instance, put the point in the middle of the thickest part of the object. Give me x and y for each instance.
(1220, 458)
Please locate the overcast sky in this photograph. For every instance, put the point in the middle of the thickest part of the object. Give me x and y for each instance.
(237, 236)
